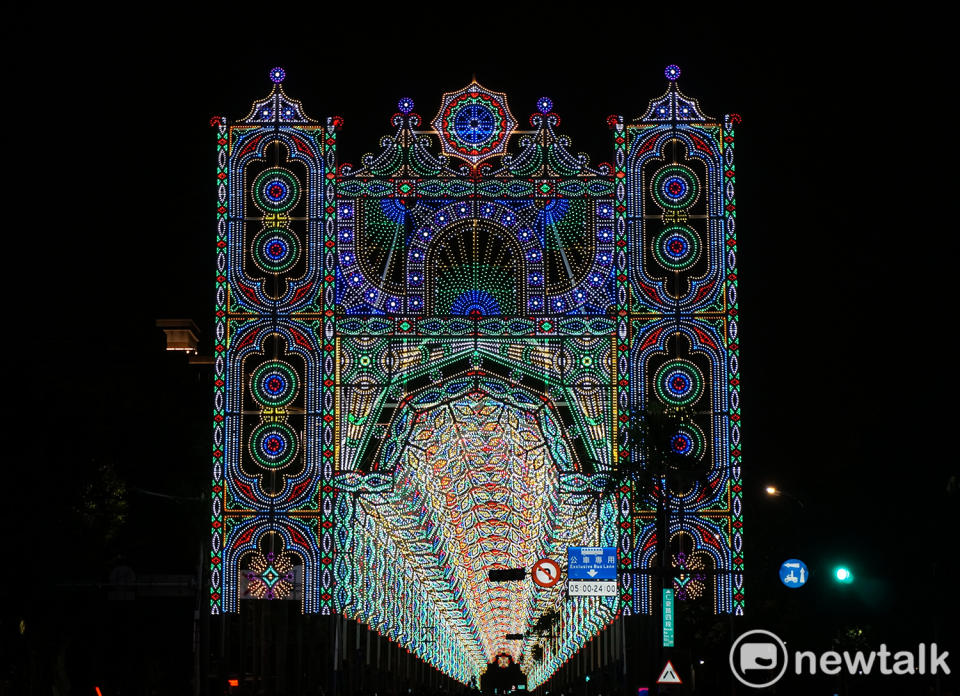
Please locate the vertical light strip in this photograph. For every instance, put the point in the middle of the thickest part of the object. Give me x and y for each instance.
(733, 358)
(219, 373)
(620, 371)
(328, 360)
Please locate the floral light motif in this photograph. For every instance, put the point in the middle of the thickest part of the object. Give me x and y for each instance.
(270, 576)
(689, 581)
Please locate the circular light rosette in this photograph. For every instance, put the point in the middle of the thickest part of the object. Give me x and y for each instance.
(273, 445)
(687, 441)
(678, 382)
(677, 247)
(275, 250)
(474, 123)
(276, 190)
(274, 384)
(675, 187)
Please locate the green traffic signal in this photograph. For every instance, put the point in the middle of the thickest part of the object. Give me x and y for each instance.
(843, 575)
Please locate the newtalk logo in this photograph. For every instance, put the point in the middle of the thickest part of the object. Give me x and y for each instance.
(759, 659)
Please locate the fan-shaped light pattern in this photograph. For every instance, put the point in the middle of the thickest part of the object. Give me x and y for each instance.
(477, 488)
(475, 303)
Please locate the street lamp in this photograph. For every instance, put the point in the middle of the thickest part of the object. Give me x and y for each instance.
(774, 491)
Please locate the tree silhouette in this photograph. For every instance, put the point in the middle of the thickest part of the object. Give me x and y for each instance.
(650, 435)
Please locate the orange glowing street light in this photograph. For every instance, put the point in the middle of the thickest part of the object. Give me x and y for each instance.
(773, 490)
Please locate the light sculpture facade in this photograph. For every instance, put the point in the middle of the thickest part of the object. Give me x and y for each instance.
(426, 366)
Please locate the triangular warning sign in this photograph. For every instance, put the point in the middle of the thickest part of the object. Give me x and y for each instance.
(669, 675)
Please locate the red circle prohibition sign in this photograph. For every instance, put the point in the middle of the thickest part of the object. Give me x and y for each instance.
(546, 572)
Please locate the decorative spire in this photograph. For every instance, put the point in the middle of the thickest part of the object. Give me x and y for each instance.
(277, 107)
(673, 105)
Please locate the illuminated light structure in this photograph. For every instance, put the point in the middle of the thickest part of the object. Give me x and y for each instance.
(426, 366)
(678, 205)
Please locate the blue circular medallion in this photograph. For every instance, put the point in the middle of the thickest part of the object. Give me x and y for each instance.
(687, 441)
(273, 444)
(678, 382)
(677, 247)
(681, 443)
(275, 250)
(675, 187)
(274, 383)
(276, 190)
(474, 123)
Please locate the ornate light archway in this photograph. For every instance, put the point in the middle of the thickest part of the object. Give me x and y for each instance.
(440, 420)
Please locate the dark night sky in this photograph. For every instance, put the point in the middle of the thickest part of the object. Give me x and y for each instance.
(841, 289)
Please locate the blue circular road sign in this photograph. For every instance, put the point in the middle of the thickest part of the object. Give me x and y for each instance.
(794, 573)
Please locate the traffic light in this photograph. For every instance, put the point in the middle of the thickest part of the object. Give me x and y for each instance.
(843, 575)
